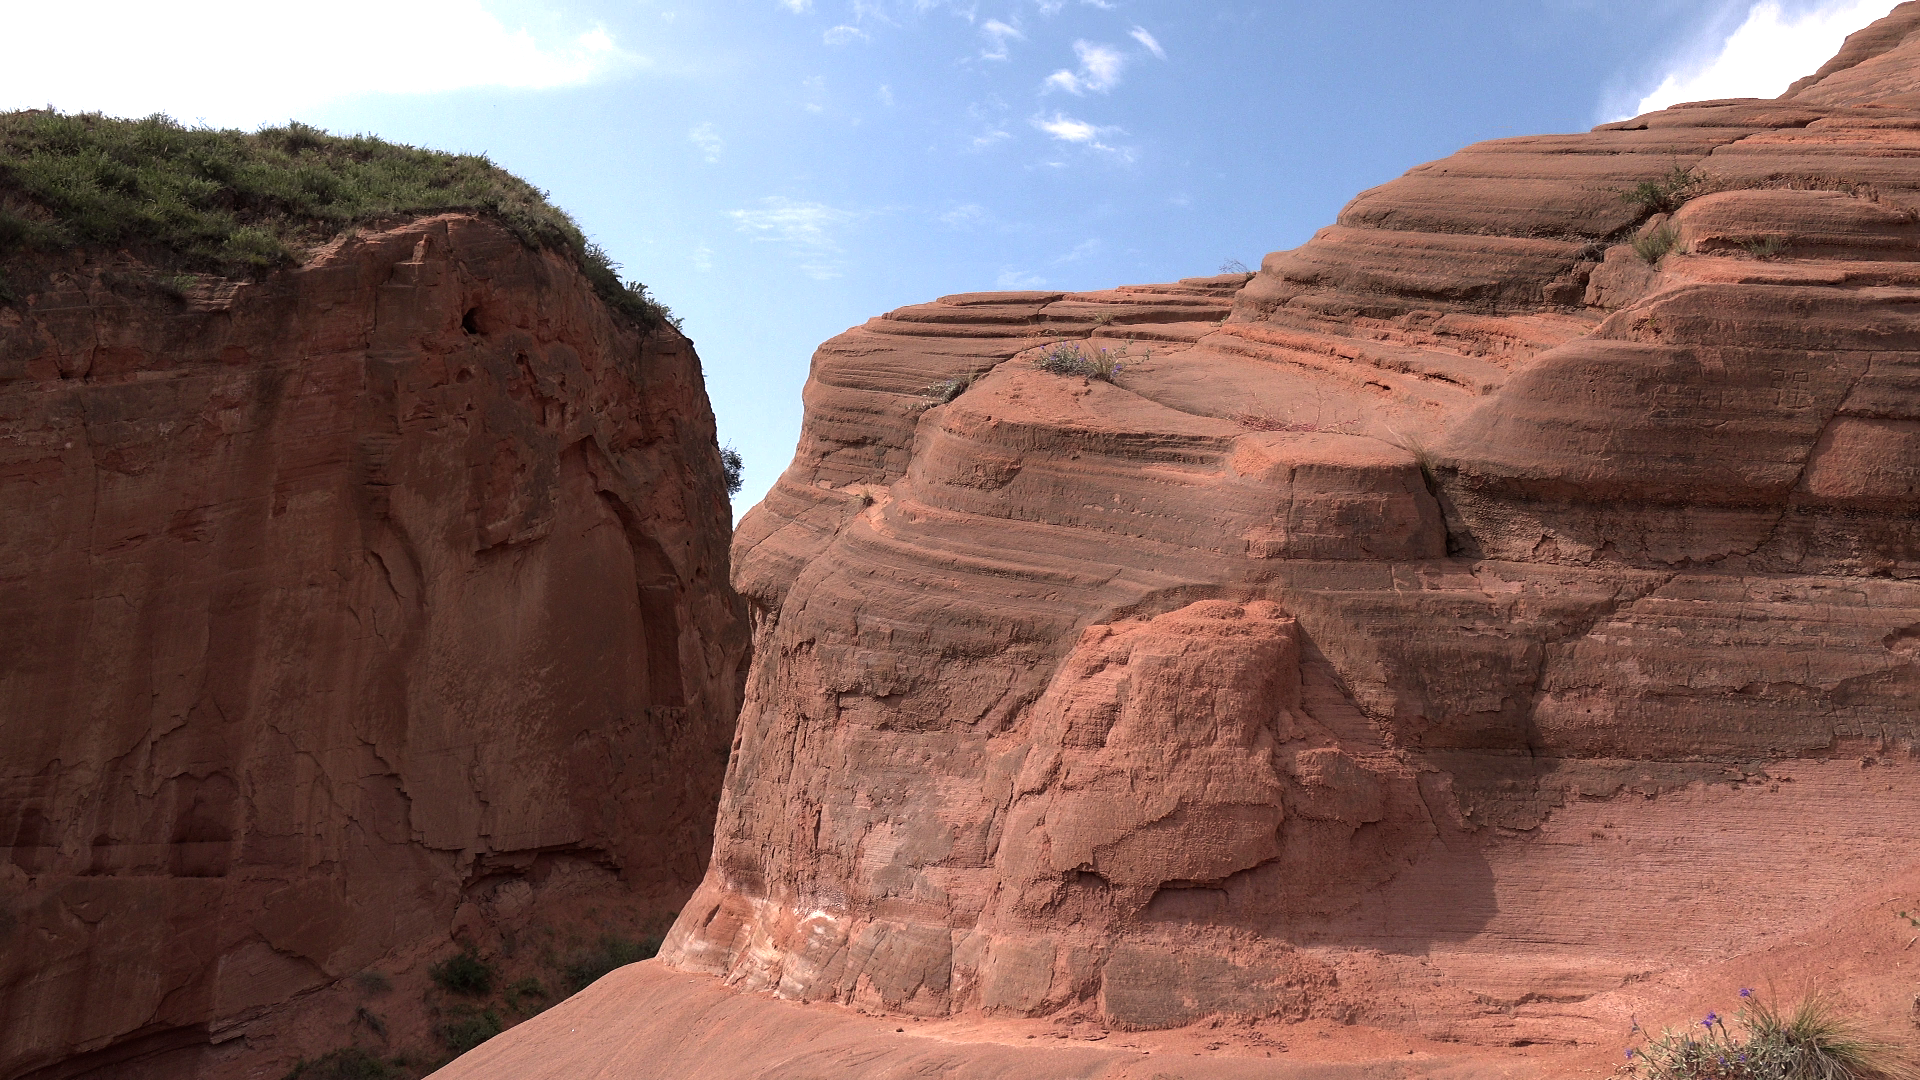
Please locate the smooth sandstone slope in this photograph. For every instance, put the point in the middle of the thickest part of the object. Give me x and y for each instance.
(374, 605)
(1461, 629)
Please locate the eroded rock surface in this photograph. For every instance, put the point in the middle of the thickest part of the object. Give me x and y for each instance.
(1461, 618)
(343, 613)
(648, 1021)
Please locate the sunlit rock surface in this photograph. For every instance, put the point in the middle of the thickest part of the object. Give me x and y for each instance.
(1471, 630)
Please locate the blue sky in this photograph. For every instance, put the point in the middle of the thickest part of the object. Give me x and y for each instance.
(779, 170)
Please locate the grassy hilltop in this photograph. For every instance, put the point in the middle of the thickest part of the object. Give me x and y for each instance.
(232, 203)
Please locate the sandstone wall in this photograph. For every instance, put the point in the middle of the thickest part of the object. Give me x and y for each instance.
(339, 611)
(1459, 618)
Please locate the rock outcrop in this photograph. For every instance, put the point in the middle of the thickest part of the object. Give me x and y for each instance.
(1472, 625)
(377, 604)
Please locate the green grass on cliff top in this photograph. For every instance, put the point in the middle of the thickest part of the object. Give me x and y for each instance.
(233, 203)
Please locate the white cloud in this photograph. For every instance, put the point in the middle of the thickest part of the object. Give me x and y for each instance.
(1080, 133)
(804, 228)
(703, 258)
(1766, 53)
(1152, 43)
(991, 137)
(998, 35)
(840, 35)
(228, 63)
(1080, 251)
(967, 216)
(1100, 68)
(1018, 279)
(1067, 129)
(798, 7)
(709, 142)
(875, 10)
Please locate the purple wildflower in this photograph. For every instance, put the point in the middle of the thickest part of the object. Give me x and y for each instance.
(1709, 1021)
(1746, 992)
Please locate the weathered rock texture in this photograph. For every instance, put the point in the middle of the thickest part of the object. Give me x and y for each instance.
(1457, 619)
(646, 1022)
(341, 613)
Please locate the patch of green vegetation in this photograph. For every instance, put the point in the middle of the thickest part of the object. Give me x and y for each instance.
(1656, 245)
(465, 1028)
(1765, 247)
(232, 203)
(734, 467)
(523, 991)
(465, 973)
(351, 1063)
(1813, 1041)
(1069, 358)
(1667, 194)
(612, 951)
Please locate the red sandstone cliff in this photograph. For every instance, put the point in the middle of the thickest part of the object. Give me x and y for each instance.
(1463, 629)
(374, 604)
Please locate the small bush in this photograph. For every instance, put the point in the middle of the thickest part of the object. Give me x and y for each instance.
(464, 973)
(1667, 194)
(1766, 247)
(1070, 358)
(1421, 457)
(735, 469)
(612, 951)
(1813, 1042)
(351, 1063)
(946, 390)
(372, 982)
(375, 1024)
(465, 1029)
(1656, 245)
(527, 989)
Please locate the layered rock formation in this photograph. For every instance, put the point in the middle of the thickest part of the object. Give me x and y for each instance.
(348, 612)
(1468, 615)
